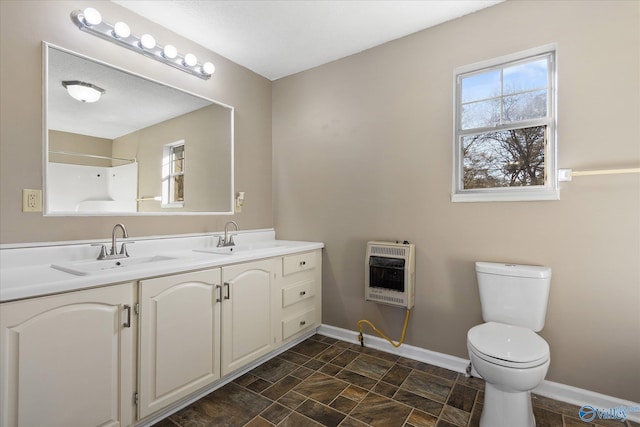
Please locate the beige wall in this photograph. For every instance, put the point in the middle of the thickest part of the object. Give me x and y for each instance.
(207, 136)
(362, 151)
(76, 143)
(23, 27)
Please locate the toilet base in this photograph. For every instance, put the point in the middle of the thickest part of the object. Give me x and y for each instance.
(506, 409)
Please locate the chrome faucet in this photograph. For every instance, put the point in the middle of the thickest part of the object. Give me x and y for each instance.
(123, 250)
(228, 239)
(113, 252)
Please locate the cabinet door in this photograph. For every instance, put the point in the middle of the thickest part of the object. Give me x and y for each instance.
(247, 323)
(67, 359)
(179, 337)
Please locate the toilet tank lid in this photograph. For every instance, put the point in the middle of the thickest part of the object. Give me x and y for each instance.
(517, 270)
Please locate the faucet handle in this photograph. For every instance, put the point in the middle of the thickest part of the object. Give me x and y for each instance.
(103, 250)
(231, 242)
(220, 242)
(123, 248)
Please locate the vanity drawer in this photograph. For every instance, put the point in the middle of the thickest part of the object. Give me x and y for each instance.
(297, 323)
(298, 292)
(299, 262)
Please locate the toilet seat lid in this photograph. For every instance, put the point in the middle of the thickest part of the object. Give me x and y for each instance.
(509, 343)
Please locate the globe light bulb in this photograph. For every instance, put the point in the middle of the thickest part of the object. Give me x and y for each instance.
(147, 41)
(91, 16)
(170, 51)
(121, 30)
(208, 68)
(190, 59)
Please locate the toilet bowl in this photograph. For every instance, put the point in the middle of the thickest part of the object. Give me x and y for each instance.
(513, 361)
(506, 350)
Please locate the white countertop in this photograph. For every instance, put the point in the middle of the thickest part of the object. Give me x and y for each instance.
(27, 272)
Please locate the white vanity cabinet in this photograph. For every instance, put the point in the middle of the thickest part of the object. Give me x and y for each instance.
(300, 294)
(68, 359)
(247, 312)
(125, 354)
(179, 337)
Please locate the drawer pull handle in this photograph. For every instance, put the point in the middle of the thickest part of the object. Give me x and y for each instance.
(303, 263)
(303, 293)
(226, 288)
(303, 322)
(218, 293)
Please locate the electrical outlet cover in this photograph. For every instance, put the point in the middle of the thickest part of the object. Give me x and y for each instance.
(31, 200)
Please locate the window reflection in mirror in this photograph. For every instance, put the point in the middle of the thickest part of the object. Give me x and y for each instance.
(109, 156)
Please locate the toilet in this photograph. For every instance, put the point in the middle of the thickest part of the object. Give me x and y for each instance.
(506, 351)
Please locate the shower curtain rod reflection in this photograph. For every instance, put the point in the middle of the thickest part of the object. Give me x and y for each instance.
(93, 156)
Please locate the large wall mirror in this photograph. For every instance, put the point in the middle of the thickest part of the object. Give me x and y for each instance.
(142, 148)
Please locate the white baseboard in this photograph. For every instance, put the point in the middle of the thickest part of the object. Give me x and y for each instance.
(550, 389)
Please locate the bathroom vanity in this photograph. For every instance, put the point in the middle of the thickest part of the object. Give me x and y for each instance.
(128, 343)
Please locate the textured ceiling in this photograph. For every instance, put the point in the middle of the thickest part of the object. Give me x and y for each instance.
(279, 38)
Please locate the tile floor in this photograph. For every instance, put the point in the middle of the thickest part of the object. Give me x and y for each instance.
(326, 382)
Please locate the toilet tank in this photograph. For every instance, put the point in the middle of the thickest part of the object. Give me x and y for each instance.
(514, 294)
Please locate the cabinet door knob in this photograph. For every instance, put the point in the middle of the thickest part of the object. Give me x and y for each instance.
(303, 292)
(303, 263)
(303, 322)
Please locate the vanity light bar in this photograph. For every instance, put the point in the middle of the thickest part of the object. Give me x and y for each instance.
(90, 20)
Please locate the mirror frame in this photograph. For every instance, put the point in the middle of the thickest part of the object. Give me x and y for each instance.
(45, 129)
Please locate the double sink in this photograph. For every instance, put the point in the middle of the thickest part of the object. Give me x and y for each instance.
(92, 267)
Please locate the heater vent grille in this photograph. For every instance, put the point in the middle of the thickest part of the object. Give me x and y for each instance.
(388, 250)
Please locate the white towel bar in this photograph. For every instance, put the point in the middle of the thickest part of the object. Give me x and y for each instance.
(567, 174)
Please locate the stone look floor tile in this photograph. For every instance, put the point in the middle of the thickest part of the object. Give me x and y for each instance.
(274, 370)
(275, 413)
(368, 366)
(455, 416)
(298, 420)
(421, 419)
(396, 375)
(377, 410)
(427, 385)
(462, 397)
(343, 404)
(354, 393)
(324, 381)
(320, 413)
(422, 403)
(310, 348)
(322, 388)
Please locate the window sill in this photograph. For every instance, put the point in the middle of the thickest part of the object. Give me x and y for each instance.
(518, 195)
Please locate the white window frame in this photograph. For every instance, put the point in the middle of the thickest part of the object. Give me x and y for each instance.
(548, 191)
(167, 176)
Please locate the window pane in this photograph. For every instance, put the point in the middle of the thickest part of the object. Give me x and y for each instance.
(480, 86)
(480, 114)
(525, 106)
(178, 166)
(178, 188)
(525, 77)
(510, 158)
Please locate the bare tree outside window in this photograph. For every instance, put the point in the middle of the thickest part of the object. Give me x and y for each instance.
(503, 123)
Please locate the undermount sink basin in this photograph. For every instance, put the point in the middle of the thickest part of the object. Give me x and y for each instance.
(231, 250)
(83, 268)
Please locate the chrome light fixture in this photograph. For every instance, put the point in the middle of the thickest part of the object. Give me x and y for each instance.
(90, 20)
(82, 91)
